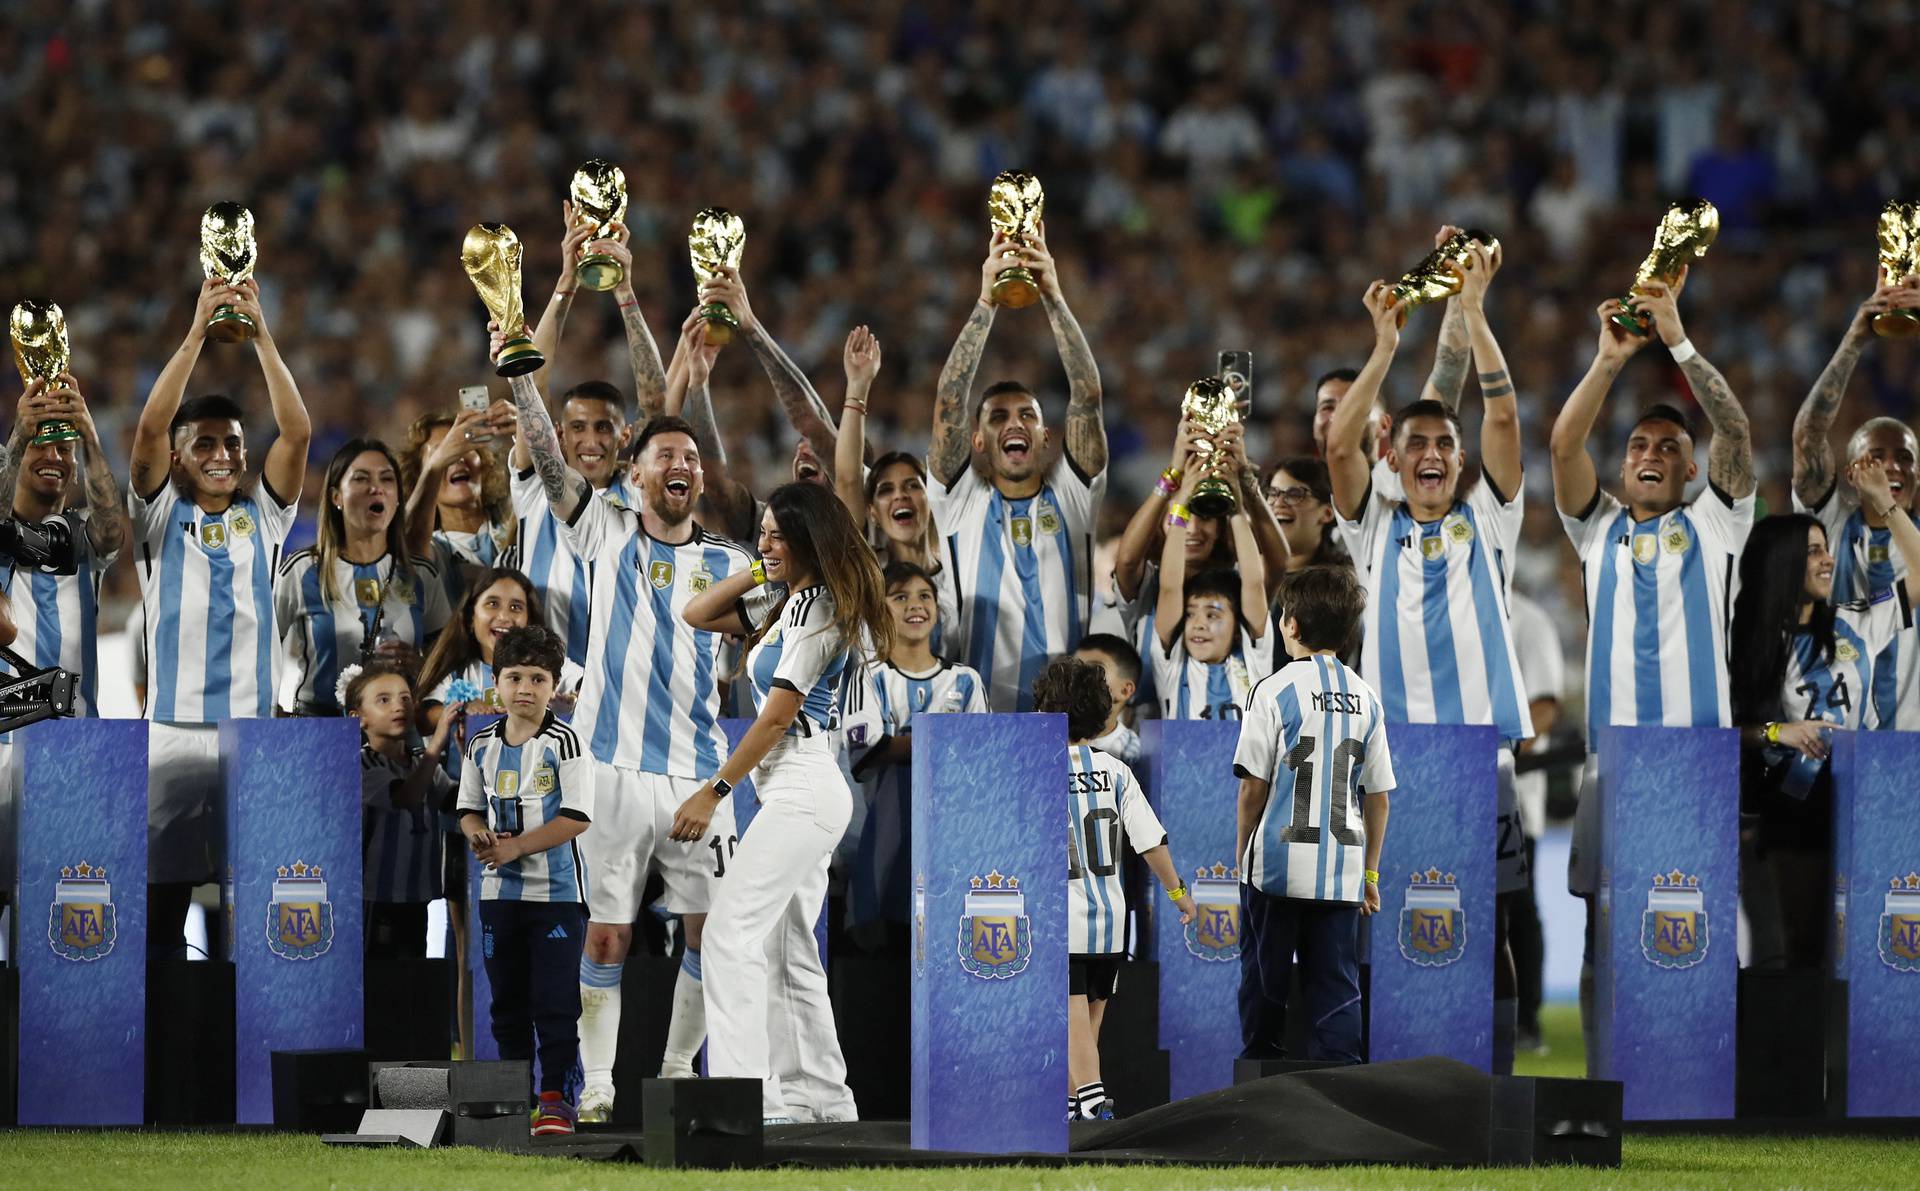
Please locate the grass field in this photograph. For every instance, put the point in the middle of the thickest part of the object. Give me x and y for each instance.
(73, 1161)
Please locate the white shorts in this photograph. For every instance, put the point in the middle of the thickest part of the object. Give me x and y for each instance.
(185, 803)
(632, 814)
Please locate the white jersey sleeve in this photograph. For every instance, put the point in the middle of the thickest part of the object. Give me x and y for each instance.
(1143, 827)
(813, 646)
(576, 784)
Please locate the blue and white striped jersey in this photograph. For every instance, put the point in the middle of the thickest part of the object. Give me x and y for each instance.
(324, 635)
(1196, 690)
(1659, 597)
(1832, 689)
(1022, 574)
(1438, 647)
(206, 580)
(651, 698)
(1317, 733)
(521, 787)
(1103, 797)
(56, 617)
(1866, 565)
(544, 554)
(803, 653)
(403, 845)
(458, 556)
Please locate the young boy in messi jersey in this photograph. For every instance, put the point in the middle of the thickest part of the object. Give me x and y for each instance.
(1309, 866)
(526, 794)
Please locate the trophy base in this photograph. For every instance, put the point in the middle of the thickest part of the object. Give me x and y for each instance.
(1632, 323)
(598, 271)
(1015, 288)
(231, 326)
(1213, 497)
(56, 430)
(518, 357)
(721, 322)
(1897, 324)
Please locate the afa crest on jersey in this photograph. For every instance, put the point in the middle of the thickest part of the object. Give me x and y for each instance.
(242, 524)
(299, 916)
(81, 924)
(996, 938)
(1900, 924)
(1214, 933)
(1673, 930)
(1433, 927)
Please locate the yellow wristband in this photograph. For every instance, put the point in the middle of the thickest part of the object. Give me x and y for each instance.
(759, 570)
(1773, 733)
(1177, 892)
(1373, 876)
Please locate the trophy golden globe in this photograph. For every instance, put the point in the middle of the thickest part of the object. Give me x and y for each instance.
(228, 251)
(1209, 404)
(1433, 279)
(599, 193)
(491, 256)
(1899, 256)
(1015, 204)
(1684, 234)
(718, 239)
(39, 331)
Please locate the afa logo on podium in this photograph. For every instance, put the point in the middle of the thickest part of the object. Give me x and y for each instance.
(299, 916)
(1900, 924)
(996, 939)
(1214, 933)
(80, 923)
(1433, 927)
(1673, 930)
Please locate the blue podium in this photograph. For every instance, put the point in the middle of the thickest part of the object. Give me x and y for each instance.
(990, 933)
(1665, 966)
(294, 909)
(1188, 771)
(82, 921)
(1876, 944)
(1432, 941)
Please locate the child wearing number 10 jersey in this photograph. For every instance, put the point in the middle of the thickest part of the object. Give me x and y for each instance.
(1102, 798)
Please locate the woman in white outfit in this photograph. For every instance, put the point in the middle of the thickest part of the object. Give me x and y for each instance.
(807, 605)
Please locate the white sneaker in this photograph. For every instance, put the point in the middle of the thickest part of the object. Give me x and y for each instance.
(679, 1071)
(596, 1105)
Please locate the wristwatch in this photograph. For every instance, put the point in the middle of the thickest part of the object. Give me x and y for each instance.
(722, 786)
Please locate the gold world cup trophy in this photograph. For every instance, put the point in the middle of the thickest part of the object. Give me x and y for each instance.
(39, 331)
(1431, 280)
(599, 193)
(717, 239)
(491, 256)
(1684, 235)
(1209, 404)
(1899, 256)
(229, 251)
(1015, 204)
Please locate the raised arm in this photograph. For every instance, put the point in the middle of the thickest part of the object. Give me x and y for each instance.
(152, 441)
(1268, 542)
(805, 411)
(1450, 354)
(106, 509)
(643, 354)
(1869, 478)
(423, 502)
(717, 609)
(1730, 457)
(861, 359)
(565, 487)
(1253, 571)
(1086, 427)
(1500, 419)
(285, 469)
(553, 320)
(1170, 604)
(1143, 528)
(1575, 479)
(731, 501)
(952, 445)
(1813, 474)
(1350, 433)
(37, 403)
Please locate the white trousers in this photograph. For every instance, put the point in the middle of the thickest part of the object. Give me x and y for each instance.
(768, 1013)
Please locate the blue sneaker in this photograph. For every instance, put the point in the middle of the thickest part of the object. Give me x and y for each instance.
(1106, 1111)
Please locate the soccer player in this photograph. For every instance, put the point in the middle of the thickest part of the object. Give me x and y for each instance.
(1020, 540)
(649, 710)
(210, 537)
(526, 797)
(1103, 797)
(1210, 644)
(1865, 565)
(877, 723)
(1120, 663)
(1310, 859)
(56, 615)
(806, 607)
(1658, 567)
(1437, 566)
(356, 584)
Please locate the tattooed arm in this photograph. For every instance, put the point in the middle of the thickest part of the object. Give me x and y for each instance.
(1500, 454)
(1452, 352)
(1086, 429)
(952, 445)
(565, 487)
(649, 378)
(1730, 457)
(106, 510)
(1813, 475)
(805, 411)
(730, 500)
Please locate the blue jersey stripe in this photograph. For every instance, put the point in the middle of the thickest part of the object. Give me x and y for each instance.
(1348, 780)
(1033, 622)
(613, 655)
(1845, 551)
(89, 634)
(1886, 683)
(1703, 666)
(1393, 681)
(46, 619)
(218, 693)
(263, 639)
(657, 734)
(1436, 609)
(512, 880)
(1063, 542)
(563, 883)
(1489, 614)
(1648, 705)
(1600, 659)
(324, 665)
(163, 668)
(985, 624)
(1325, 794)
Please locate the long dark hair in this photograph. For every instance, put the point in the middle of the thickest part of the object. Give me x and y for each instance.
(496, 496)
(1313, 476)
(1766, 616)
(333, 519)
(824, 540)
(457, 648)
